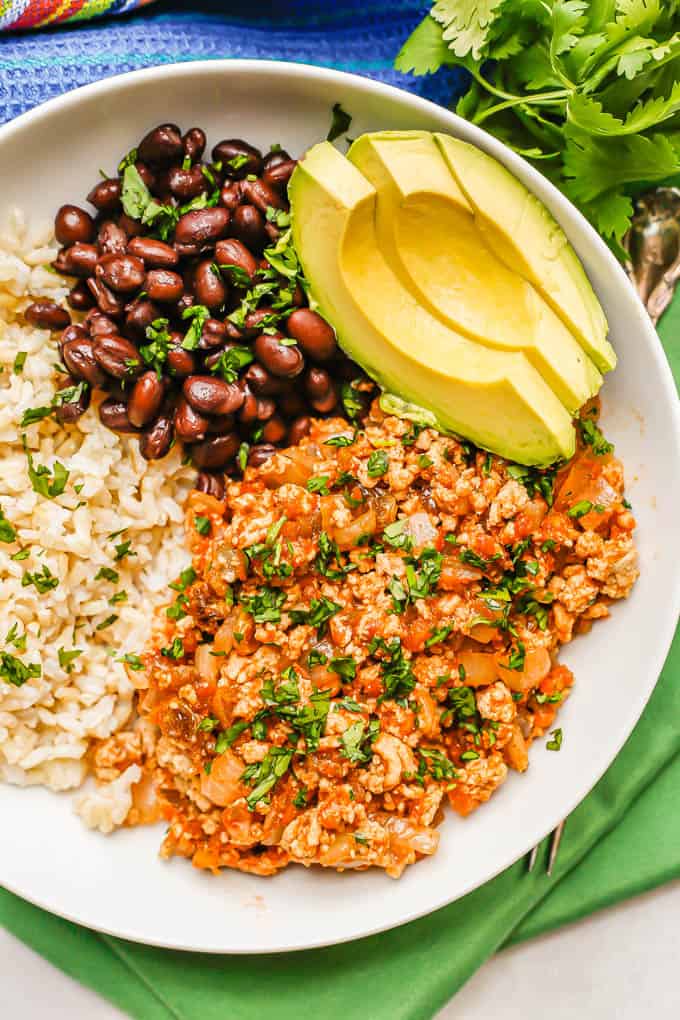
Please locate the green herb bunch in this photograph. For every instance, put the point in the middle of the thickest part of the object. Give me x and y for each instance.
(589, 92)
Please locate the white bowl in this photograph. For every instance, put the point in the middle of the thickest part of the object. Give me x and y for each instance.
(117, 884)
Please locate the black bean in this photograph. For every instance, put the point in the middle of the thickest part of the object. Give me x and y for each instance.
(105, 196)
(209, 287)
(133, 228)
(162, 146)
(256, 321)
(156, 440)
(193, 143)
(266, 407)
(118, 357)
(140, 314)
(111, 239)
(248, 411)
(209, 395)
(146, 398)
(274, 158)
(78, 356)
(80, 259)
(275, 430)
(180, 363)
(212, 485)
(279, 359)
(73, 224)
(147, 175)
(260, 453)
(248, 225)
(185, 184)
(325, 404)
(233, 253)
(237, 157)
(314, 335)
(73, 332)
(47, 315)
(230, 195)
(113, 414)
(202, 226)
(216, 452)
(122, 273)
(277, 176)
(189, 424)
(107, 301)
(291, 402)
(213, 334)
(299, 429)
(79, 298)
(261, 382)
(317, 383)
(262, 195)
(99, 324)
(299, 298)
(221, 425)
(164, 285)
(154, 253)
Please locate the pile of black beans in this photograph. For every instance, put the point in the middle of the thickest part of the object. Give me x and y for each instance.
(190, 329)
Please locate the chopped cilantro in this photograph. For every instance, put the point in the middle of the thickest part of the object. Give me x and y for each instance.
(202, 525)
(16, 672)
(264, 775)
(378, 464)
(580, 509)
(556, 743)
(591, 436)
(341, 440)
(318, 483)
(7, 532)
(107, 574)
(66, 659)
(357, 741)
(107, 622)
(175, 650)
(133, 661)
(43, 580)
(19, 362)
(397, 674)
(123, 550)
(319, 613)
(265, 605)
(344, 666)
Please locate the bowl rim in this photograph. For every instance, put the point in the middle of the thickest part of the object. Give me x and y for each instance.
(565, 211)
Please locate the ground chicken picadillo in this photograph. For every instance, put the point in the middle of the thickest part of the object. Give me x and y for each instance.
(368, 630)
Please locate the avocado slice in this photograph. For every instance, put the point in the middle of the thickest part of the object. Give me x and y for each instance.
(495, 398)
(521, 231)
(453, 272)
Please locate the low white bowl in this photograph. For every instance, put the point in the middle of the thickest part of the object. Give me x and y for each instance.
(50, 156)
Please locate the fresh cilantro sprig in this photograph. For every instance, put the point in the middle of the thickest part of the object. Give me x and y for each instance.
(587, 92)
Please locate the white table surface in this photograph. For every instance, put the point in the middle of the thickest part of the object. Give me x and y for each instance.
(620, 964)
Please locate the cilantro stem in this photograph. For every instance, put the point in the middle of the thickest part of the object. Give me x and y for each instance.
(533, 97)
(544, 98)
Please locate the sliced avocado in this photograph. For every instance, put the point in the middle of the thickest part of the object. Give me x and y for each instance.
(495, 398)
(521, 231)
(428, 233)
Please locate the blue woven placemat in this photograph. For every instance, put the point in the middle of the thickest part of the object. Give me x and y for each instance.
(362, 36)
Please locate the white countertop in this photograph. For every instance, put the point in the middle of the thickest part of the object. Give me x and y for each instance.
(620, 964)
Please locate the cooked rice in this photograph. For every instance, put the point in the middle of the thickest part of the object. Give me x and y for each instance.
(48, 724)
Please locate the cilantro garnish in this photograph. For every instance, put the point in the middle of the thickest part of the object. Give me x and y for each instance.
(319, 613)
(43, 580)
(198, 315)
(133, 661)
(45, 482)
(265, 605)
(202, 525)
(175, 650)
(66, 659)
(107, 574)
(556, 743)
(378, 464)
(7, 531)
(397, 674)
(16, 672)
(264, 775)
(318, 483)
(591, 436)
(585, 91)
(358, 739)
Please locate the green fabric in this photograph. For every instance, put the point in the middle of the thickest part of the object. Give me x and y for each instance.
(624, 837)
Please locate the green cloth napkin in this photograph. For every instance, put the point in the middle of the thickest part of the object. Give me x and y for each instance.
(410, 972)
